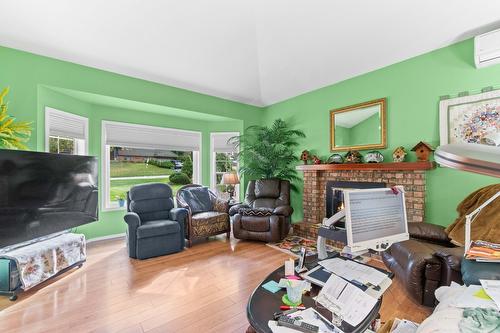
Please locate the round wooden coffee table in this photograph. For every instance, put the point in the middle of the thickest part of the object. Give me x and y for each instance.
(263, 304)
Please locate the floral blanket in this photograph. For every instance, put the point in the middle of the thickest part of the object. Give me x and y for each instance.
(39, 261)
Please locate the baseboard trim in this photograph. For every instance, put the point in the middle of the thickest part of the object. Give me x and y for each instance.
(105, 238)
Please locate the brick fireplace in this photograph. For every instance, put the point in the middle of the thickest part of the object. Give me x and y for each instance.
(411, 175)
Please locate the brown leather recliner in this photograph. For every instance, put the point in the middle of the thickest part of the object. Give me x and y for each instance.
(425, 262)
(265, 215)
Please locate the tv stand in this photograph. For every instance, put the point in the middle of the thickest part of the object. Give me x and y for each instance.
(13, 283)
(12, 294)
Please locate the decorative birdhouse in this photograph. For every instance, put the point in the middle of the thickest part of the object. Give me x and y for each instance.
(399, 154)
(316, 159)
(423, 150)
(304, 156)
(353, 156)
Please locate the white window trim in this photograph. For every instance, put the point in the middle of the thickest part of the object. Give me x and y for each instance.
(84, 120)
(105, 164)
(213, 169)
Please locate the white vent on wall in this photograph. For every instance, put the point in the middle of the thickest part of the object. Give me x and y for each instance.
(487, 49)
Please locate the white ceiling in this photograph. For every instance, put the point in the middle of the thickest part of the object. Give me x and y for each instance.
(254, 51)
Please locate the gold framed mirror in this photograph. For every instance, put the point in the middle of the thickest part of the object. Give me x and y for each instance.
(359, 126)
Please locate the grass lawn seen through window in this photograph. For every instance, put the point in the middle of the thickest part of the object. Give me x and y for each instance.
(120, 187)
(131, 169)
(124, 175)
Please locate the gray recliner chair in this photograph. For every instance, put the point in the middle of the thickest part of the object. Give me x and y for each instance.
(155, 227)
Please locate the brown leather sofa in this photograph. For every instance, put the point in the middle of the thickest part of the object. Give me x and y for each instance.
(265, 215)
(425, 262)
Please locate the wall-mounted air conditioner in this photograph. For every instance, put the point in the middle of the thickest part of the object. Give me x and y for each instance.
(487, 49)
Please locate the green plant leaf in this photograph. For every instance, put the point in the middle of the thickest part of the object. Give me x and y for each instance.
(268, 152)
(13, 133)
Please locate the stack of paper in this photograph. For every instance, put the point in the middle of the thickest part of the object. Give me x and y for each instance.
(492, 289)
(338, 295)
(376, 281)
(309, 316)
(475, 297)
(354, 271)
(403, 326)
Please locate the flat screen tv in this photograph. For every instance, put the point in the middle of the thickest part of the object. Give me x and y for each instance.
(42, 194)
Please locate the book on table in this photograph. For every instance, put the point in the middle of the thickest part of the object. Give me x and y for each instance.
(484, 251)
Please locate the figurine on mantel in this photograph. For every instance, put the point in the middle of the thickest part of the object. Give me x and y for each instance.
(423, 150)
(335, 159)
(374, 157)
(316, 160)
(304, 157)
(399, 154)
(353, 156)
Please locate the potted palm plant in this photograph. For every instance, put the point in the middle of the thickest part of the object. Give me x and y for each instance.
(269, 152)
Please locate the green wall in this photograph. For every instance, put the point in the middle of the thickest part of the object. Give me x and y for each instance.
(363, 133)
(366, 132)
(342, 136)
(111, 221)
(36, 82)
(412, 88)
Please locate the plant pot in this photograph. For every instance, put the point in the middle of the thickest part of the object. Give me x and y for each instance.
(121, 202)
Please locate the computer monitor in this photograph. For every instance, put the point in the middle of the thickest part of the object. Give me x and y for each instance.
(375, 218)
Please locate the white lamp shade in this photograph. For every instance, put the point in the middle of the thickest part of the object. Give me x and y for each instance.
(470, 157)
(230, 178)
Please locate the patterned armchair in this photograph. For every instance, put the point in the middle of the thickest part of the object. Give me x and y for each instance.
(208, 215)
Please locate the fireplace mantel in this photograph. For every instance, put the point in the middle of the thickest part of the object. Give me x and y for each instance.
(401, 166)
(411, 175)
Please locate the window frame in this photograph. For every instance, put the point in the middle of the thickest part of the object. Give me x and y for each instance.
(106, 165)
(78, 144)
(79, 150)
(213, 166)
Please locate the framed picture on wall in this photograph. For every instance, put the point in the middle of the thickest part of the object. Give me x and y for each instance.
(471, 119)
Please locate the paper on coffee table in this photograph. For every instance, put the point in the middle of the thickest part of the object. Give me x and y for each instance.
(353, 271)
(339, 295)
(492, 288)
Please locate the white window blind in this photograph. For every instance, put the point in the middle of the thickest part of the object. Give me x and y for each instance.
(220, 142)
(141, 136)
(64, 124)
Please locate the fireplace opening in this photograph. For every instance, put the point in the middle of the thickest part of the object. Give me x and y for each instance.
(335, 194)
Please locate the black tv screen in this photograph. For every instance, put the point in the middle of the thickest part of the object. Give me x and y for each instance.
(42, 194)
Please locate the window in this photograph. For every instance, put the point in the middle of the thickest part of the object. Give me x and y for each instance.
(65, 133)
(60, 145)
(138, 154)
(224, 159)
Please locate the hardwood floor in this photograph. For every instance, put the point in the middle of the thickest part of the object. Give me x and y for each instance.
(202, 289)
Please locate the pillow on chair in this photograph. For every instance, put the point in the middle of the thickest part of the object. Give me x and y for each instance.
(260, 212)
(197, 198)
